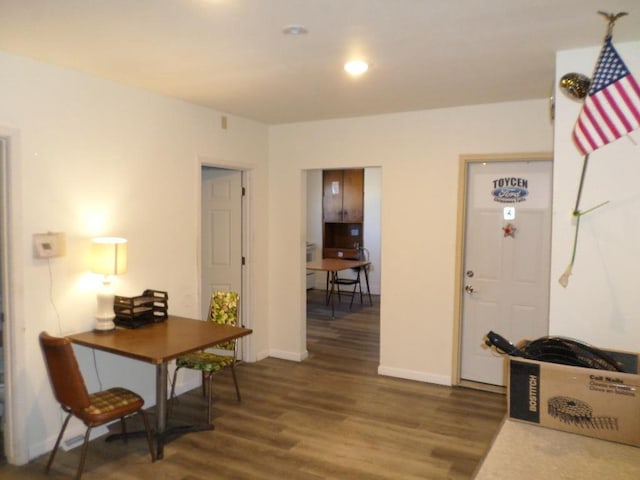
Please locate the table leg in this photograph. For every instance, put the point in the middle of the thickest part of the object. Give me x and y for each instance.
(332, 295)
(327, 296)
(366, 278)
(161, 407)
(329, 291)
(161, 414)
(165, 433)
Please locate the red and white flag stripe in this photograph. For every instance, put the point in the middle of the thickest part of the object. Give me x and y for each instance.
(608, 114)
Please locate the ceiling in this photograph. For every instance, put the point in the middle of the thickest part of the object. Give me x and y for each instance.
(231, 55)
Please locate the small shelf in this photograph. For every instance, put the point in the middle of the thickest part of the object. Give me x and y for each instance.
(132, 312)
(341, 239)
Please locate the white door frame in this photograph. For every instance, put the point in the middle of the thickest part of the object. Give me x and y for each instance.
(15, 432)
(464, 162)
(246, 350)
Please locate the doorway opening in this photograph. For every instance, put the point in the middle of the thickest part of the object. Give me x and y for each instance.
(319, 314)
(504, 245)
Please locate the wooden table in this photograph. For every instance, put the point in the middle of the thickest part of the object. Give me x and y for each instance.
(332, 266)
(158, 344)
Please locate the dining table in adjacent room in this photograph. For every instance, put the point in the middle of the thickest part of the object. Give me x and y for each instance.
(334, 265)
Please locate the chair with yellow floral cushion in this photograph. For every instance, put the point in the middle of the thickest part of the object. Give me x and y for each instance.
(224, 309)
(93, 409)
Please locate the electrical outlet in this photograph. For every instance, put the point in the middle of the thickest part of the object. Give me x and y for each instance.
(48, 245)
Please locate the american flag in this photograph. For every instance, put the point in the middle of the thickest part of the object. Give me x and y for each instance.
(611, 108)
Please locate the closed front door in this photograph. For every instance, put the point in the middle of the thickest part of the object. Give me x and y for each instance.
(4, 285)
(221, 232)
(506, 261)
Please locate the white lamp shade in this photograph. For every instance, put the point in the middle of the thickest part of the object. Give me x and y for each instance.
(109, 255)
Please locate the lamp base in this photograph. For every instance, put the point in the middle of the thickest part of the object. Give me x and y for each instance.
(105, 314)
(104, 325)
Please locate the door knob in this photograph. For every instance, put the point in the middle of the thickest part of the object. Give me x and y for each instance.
(468, 289)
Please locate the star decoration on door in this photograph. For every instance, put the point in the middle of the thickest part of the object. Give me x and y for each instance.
(509, 230)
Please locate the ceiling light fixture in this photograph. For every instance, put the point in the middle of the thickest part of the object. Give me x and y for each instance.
(295, 30)
(356, 67)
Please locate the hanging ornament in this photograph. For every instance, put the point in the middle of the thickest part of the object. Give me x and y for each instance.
(575, 85)
(509, 230)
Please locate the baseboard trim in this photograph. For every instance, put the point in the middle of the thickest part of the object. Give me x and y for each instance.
(414, 375)
(73, 437)
(293, 356)
(482, 386)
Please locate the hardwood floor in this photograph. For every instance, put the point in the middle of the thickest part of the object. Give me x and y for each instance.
(329, 417)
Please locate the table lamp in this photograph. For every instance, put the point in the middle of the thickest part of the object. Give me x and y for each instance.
(108, 258)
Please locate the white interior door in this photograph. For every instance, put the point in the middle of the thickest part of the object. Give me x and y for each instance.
(3, 295)
(221, 232)
(506, 260)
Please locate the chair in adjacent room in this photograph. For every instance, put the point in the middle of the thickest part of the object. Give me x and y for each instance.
(224, 309)
(355, 280)
(93, 409)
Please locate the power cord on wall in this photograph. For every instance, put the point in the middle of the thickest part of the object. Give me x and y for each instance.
(51, 299)
(59, 321)
(95, 367)
(55, 309)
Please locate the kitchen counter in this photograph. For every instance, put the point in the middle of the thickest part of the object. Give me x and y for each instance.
(522, 451)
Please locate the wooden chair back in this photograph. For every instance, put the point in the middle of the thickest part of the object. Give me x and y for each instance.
(64, 373)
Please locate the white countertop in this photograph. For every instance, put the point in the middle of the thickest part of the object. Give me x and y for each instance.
(521, 451)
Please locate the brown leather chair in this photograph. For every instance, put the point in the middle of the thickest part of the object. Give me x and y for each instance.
(93, 409)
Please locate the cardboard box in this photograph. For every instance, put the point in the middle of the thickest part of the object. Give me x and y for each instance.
(596, 403)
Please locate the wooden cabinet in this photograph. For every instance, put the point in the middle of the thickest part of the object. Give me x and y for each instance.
(343, 195)
(342, 212)
(341, 240)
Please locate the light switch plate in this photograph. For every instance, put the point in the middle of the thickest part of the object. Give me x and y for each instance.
(48, 245)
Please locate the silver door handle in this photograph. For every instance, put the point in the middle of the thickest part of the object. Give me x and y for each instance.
(468, 289)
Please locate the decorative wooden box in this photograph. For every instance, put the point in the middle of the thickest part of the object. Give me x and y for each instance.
(133, 312)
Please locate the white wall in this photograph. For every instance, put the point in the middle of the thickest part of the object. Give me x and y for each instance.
(314, 210)
(601, 304)
(419, 155)
(89, 158)
(93, 157)
(372, 223)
